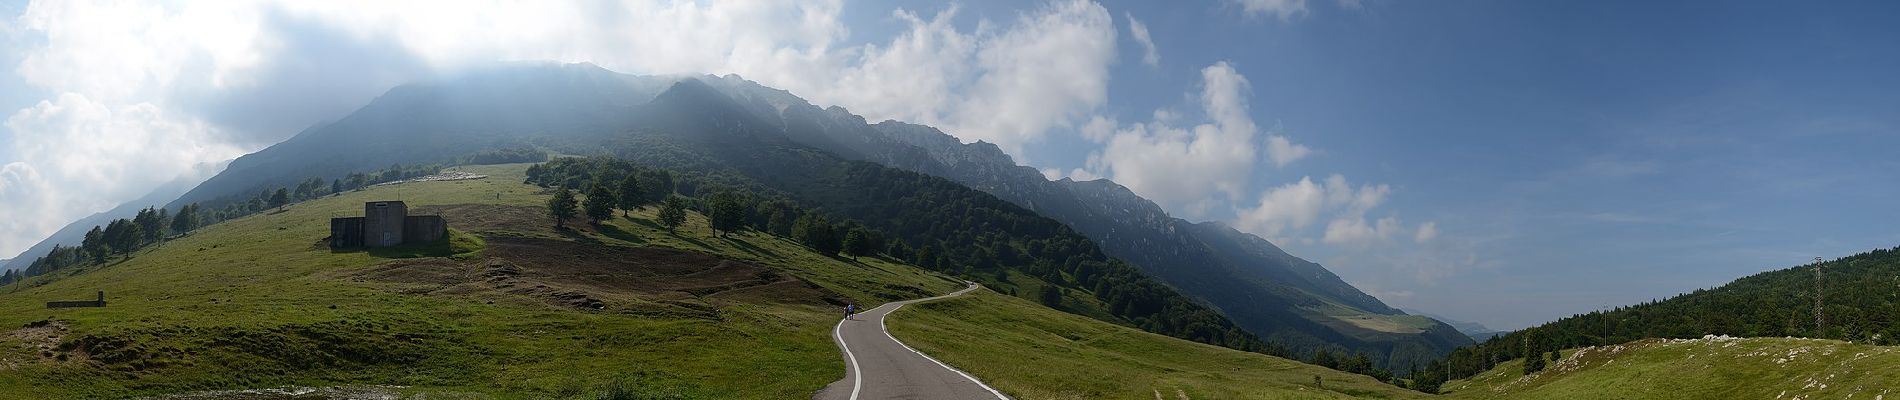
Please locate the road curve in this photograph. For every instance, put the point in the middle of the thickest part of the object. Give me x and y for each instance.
(877, 366)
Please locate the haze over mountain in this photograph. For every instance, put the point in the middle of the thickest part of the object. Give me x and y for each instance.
(1659, 140)
(583, 109)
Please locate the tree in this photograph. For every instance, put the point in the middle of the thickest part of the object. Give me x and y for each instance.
(279, 199)
(657, 185)
(672, 213)
(898, 250)
(1324, 358)
(1532, 364)
(817, 233)
(1050, 296)
(780, 222)
(151, 225)
(600, 203)
(630, 195)
(123, 236)
(336, 186)
(857, 242)
(561, 207)
(186, 220)
(95, 244)
(727, 213)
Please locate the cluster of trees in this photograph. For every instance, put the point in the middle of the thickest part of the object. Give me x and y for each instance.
(1860, 293)
(1358, 363)
(927, 221)
(609, 186)
(727, 209)
(153, 225)
(120, 237)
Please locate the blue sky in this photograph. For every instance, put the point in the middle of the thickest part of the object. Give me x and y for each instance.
(1495, 161)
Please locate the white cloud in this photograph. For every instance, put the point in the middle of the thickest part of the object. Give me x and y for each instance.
(1285, 210)
(1356, 231)
(1282, 9)
(1426, 232)
(1282, 150)
(1149, 55)
(1187, 168)
(216, 79)
(79, 157)
(1294, 205)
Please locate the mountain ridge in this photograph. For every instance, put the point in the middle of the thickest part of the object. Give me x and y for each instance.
(1216, 256)
(1278, 296)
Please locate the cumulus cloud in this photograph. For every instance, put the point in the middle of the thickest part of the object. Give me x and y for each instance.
(1189, 168)
(1294, 205)
(78, 154)
(1284, 210)
(217, 79)
(1149, 55)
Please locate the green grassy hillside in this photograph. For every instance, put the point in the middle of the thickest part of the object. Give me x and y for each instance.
(1033, 352)
(510, 307)
(504, 308)
(1709, 368)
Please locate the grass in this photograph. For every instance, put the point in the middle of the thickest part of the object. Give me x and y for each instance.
(1033, 352)
(261, 301)
(1753, 368)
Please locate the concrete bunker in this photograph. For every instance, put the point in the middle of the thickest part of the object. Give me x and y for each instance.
(385, 224)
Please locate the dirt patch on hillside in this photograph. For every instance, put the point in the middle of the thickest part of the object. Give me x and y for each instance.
(643, 280)
(35, 342)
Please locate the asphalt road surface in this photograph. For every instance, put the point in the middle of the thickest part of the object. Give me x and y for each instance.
(877, 366)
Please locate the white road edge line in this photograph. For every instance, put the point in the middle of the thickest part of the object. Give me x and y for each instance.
(887, 333)
(858, 376)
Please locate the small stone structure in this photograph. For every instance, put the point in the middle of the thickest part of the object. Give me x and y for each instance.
(82, 303)
(384, 224)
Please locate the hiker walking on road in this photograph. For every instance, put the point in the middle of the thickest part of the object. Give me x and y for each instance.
(849, 310)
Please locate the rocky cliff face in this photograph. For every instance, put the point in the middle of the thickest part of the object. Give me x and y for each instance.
(1274, 294)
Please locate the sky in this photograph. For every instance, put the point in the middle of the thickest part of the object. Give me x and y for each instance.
(1502, 162)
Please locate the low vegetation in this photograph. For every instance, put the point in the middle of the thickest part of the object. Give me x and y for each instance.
(1859, 299)
(261, 301)
(1032, 352)
(1712, 367)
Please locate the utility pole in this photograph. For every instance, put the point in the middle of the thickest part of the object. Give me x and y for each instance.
(1819, 292)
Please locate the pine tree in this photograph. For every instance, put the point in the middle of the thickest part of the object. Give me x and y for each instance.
(599, 204)
(672, 213)
(561, 207)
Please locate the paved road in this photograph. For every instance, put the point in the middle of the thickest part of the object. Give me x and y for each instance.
(877, 366)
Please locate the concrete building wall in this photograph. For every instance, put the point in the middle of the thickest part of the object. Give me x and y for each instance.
(346, 232)
(383, 222)
(424, 229)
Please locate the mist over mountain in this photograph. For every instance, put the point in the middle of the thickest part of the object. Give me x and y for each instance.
(583, 109)
(71, 234)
